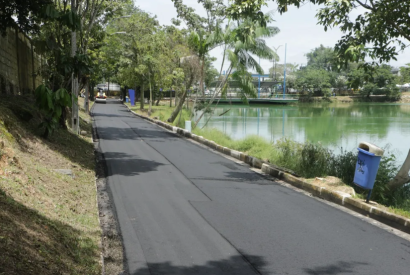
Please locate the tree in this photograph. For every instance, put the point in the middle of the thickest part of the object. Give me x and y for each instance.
(404, 75)
(211, 73)
(184, 78)
(314, 80)
(241, 42)
(375, 80)
(322, 58)
(201, 28)
(29, 14)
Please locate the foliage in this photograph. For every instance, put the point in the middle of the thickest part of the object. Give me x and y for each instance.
(383, 25)
(250, 9)
(314, 81)
(322, 58)
(51, 104)
(29, 14)
(404, 77)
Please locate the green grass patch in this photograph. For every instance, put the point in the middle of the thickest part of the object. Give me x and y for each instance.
(163, 112)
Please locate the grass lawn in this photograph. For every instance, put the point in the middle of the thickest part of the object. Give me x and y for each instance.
(49, 221)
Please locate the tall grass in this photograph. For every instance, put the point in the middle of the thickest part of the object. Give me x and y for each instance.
(253, 145)
(163, 112)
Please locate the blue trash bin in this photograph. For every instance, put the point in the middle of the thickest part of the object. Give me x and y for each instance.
(367, 165)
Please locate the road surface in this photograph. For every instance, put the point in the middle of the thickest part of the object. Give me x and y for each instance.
(183, 209)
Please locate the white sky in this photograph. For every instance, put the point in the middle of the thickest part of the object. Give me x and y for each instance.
(298, 29)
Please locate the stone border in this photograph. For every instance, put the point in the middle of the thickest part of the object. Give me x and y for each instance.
(340, 198)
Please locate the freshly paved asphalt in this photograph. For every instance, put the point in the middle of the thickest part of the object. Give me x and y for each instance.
(185, 210)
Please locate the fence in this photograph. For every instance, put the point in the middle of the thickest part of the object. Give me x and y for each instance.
(19, 64)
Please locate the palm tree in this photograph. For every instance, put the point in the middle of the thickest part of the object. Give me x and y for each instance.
(241, 42)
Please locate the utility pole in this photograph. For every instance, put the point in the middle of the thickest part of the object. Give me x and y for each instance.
(74, 80)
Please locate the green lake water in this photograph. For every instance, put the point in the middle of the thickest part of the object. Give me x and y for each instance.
(335, 125)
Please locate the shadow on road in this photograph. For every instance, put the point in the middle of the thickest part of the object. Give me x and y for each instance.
(129, 165)
(250, 177)
(134, 133)
(340, 267)
(232, 266)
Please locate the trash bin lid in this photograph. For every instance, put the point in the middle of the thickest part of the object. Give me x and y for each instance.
(371, 148)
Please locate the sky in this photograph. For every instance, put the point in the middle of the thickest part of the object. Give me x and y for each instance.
(298, 30)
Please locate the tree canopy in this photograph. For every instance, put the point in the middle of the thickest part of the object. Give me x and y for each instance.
(29, 14)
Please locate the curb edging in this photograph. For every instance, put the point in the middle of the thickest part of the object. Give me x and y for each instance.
(343, 199)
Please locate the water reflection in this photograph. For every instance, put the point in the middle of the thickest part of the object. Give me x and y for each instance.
(335, 125)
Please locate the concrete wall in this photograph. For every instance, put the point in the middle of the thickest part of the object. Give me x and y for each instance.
(19, 64)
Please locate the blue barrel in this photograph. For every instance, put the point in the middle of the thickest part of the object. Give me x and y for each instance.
(366, 169)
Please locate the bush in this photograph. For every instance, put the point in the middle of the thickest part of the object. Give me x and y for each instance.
(343, 166)
(315, 160)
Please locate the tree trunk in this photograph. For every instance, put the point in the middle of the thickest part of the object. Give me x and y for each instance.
(87, 92)
(402, 176)
(202, 76)
(63, 118)
(178, 107)
(142, 97)
(158, 100)
(221, 86)
(150, 96)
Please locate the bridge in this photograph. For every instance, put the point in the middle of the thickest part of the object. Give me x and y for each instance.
(260, 83)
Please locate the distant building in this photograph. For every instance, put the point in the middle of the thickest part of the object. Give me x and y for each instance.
(114, 88)
(395, 71)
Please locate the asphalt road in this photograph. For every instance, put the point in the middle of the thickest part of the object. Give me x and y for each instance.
(183, 209)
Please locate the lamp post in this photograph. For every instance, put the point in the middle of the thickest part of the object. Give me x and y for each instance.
(284, 74)
(274, 65)
(274, 60)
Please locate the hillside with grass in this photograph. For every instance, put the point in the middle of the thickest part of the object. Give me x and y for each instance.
(48, 220)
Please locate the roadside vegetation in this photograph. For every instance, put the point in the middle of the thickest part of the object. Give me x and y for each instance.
(49, 221)
(311, 160)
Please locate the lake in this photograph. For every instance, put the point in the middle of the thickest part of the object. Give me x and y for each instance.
(336, 125)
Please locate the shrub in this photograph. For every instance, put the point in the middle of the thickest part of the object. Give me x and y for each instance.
(314, 160)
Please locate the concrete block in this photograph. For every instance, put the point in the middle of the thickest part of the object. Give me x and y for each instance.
(213, 144)
(242, 156)
(227, 151)
(235, 154)
(293, 180)
(257, 163)
(267, 169)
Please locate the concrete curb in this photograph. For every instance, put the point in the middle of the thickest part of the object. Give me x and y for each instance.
(339, 198)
